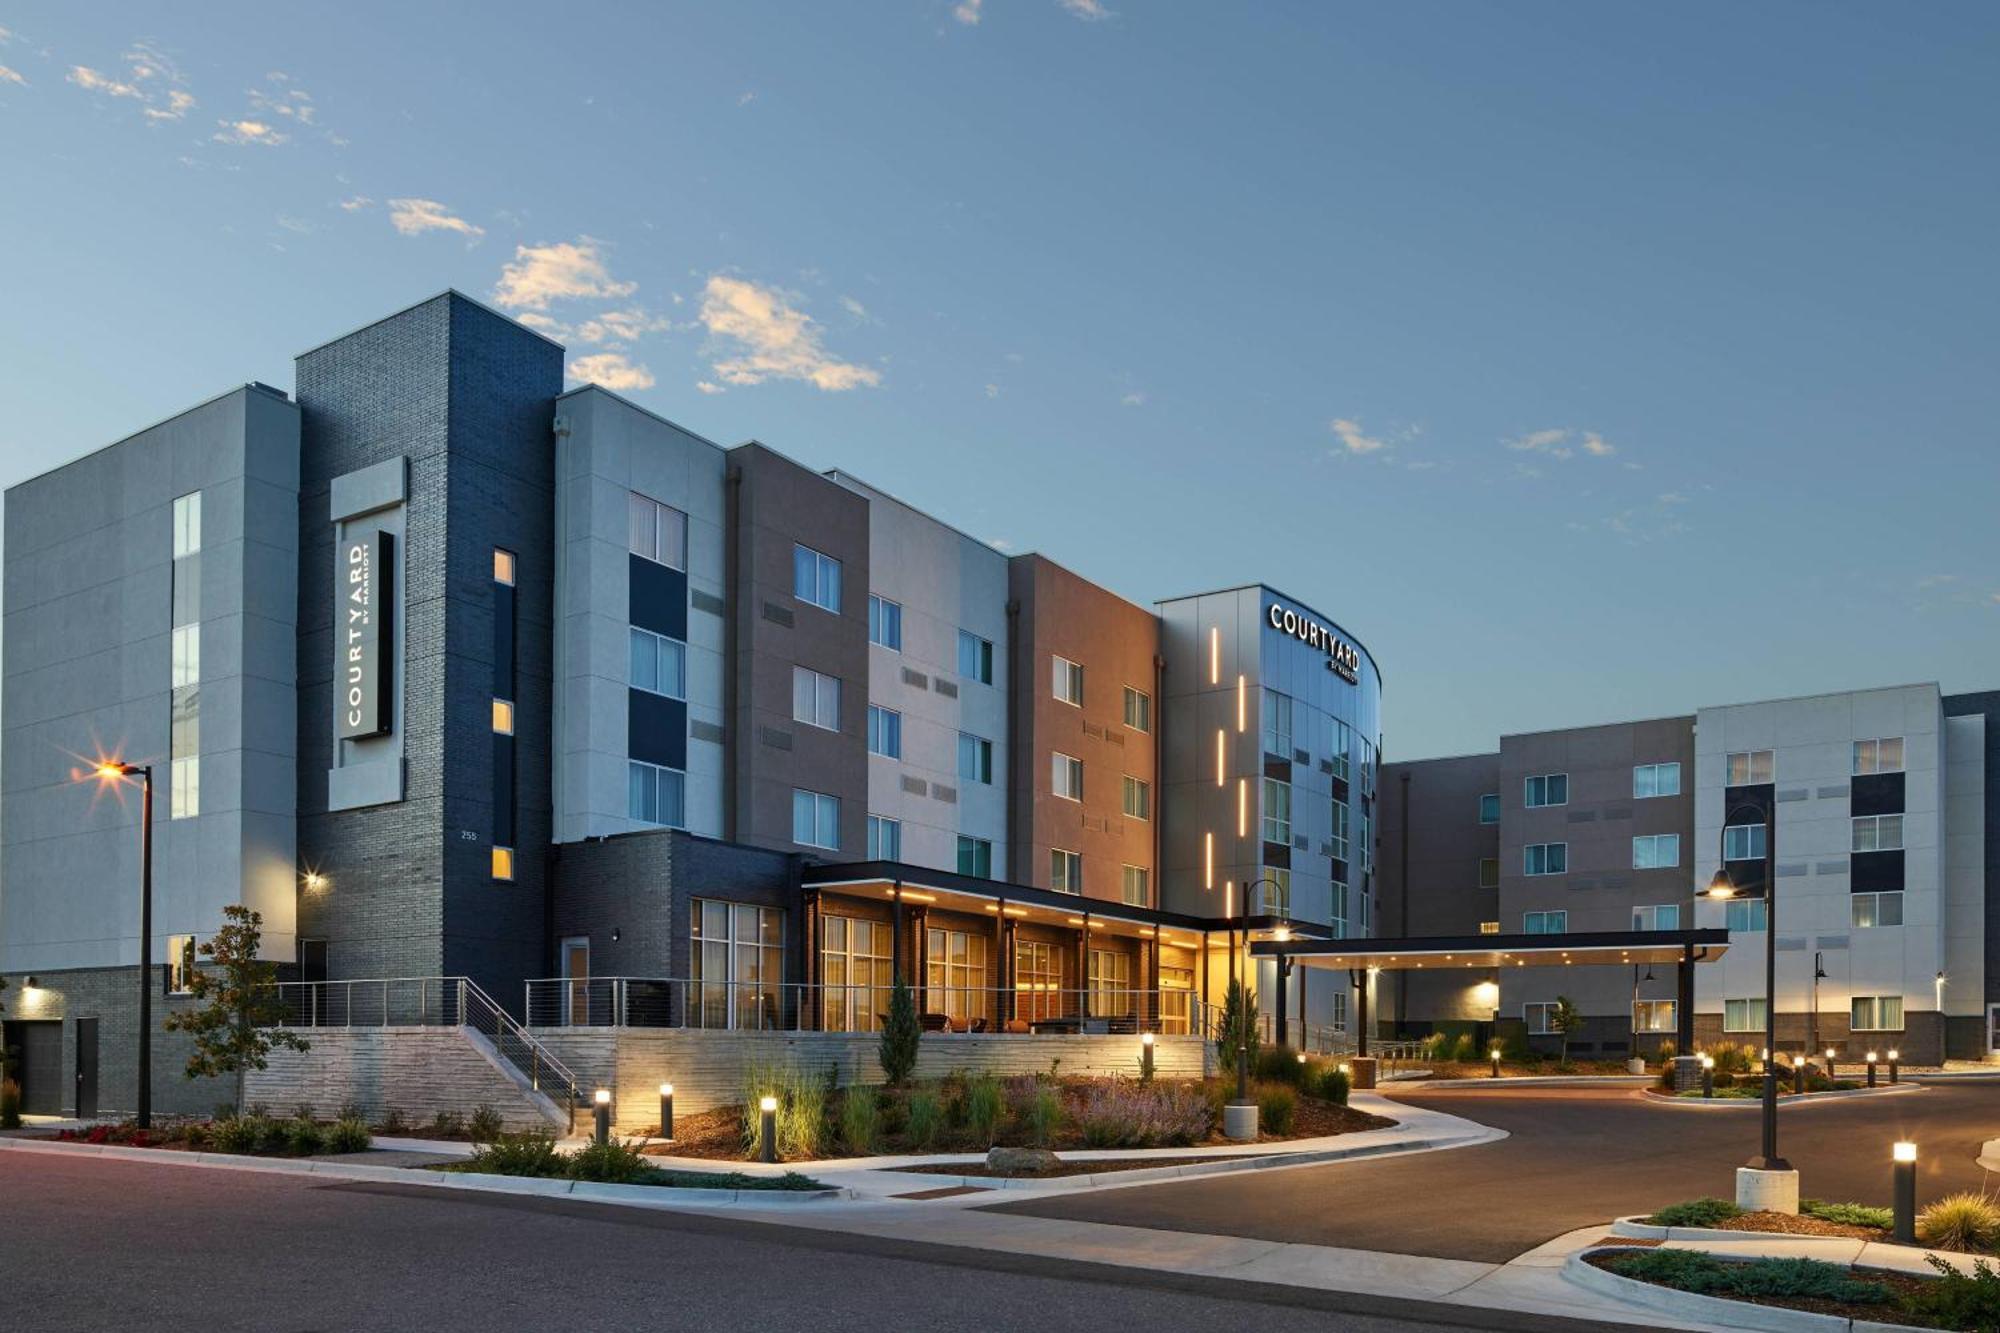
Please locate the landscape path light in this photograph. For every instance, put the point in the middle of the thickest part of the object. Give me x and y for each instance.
(1871, 1069)
(1496, 1062)
(1146, 1055)
(768, 1108)
(1894, 1057)
(1799, 1072)
(666, 1110)
(1708, 1076)
(1905, 1230)
(601, 1116)
(1829, 1064)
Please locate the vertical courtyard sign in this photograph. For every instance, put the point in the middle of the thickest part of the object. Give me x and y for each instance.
(362, 583)
(1342, 657)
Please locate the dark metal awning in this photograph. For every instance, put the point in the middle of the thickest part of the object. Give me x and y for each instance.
(1592, 948)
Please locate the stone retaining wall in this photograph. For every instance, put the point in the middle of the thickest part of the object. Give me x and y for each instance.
(417, 1071)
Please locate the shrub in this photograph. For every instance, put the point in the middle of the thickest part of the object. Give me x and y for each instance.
(225, 1111)
(238, 1134)
(983, 1105)
(305, 1111)
(860, 1121)
(1238, 1027)
(303, 1138)
(530, 1153)
(1116, 1114)
(802, 1107)
(1276, 1064)
(1848, 1214)
(1964, 1222)
(392, 1122)
(273, 1136)
(900, 1035)
(352, 1111)
(609, 1163)
(484, 1124)
(448, 1125)
(1669, 1049)
(1692, 1270)
(1041, 1116)
(10, 1104)
(1732, 1057)
(1958, 1300)
(348, 1134)
(1333, 1085)
(1695, 1213)
(925, 1113)
(1276, 1105)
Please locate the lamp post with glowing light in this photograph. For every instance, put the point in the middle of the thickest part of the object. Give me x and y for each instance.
(1723, 887)
(1249, 1018)
(112, 770)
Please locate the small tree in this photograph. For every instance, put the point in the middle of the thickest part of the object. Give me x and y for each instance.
(234, 1023)
(1567, 1020)
(900, 1035)
(1238, 1030)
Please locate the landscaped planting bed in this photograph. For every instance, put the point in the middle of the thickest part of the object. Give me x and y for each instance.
(967, 1113)
(253, 1135)
(1071, 1167)
(1964, 1223)
(1951, 1300)
(534, 1154)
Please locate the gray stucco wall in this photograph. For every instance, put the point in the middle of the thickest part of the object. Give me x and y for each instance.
(88, 673)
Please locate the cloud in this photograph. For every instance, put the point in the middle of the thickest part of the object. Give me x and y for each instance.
(778, 341)
(294, 104)
(179, 103)
(1134, 399)
(746, 98)
(856, 309)
(627, 325)
(707, 386)
(355, 204)
(250, 132)
(1936, 580)
(1562, 443)
(9, 76)
(414, 217)
(151, 78)
(1353, 440)
(992, 391)
(611, 370)
(567, 270)
(967, 12)
(1672, 498)
(1088, 10)
(300, 225)
(91, 80)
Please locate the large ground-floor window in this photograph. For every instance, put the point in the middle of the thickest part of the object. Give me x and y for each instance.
(738, 964)
(955, 975)
(1110, 984)
(1038, 981)
(1653, 1016)
(856, 973)
(1176, 1000)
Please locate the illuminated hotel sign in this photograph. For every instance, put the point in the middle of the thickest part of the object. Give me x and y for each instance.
(361, 594)
(1342, 657)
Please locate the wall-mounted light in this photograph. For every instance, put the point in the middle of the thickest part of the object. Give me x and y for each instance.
(315, 881)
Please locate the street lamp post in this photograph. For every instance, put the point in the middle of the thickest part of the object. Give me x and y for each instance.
(1250, 1019)
(1722, 887)
(117, 771)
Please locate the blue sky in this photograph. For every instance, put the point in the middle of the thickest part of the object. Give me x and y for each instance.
(1587, 362)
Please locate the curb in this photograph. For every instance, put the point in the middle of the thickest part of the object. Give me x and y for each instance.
(1789, 1099)
(1713, 1311)
(1145, 1175)
(1543, 1081)
(656, 1195)
(1639, 1229)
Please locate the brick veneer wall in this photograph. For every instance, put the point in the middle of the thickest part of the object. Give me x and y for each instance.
(111, 995)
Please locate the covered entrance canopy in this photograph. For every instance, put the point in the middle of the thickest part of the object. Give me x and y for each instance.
(1681, 948)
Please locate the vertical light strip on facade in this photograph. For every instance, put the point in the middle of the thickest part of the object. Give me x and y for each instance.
(1242, 703)
(1208, 860)
(1215, 654)
(1242, 807)
(1220, 776)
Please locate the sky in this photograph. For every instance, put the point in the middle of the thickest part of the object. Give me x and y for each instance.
(1586, 362)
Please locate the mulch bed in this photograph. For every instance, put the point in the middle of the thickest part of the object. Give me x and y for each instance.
(1066, 1168)
(1899, 1284)
(1800, 1225)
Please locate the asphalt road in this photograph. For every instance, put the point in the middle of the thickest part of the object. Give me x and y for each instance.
(96, 1244)
(1574, 1158)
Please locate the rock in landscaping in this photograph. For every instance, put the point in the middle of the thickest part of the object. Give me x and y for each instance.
(1020, 1161)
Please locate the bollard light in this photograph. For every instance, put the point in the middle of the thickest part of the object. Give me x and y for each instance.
(601, 1115)
(1894, 1057)
(1829, 1064)
(1871, 1069)
(1799, 1073)
(1905, 1157)
(1496, 1062)
(1146, 1056)
(666, 1110)
(769, 1107)
(1708, 1076)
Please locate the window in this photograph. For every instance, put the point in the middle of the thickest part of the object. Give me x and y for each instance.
(1540, 1016)
(1489, 927)
(1878, 833)
(1277, 710)
(184, 787)
(1038, 981)
(975, 657)
(1650, 780)
(1746, 768)
(186, 655)
(1656, 851)
(1177, 999)
(1742, 1015)
(955, 974)
(1137, 887)
(180, 963)
(1343, 742)
(815, 819)
(816, 578)
(1110, 977)
(1877, 909)
(975, 857)
(1065, 871)
(1666, 916)
(815, 698)
(885, 623)
(1339, 1014)
(1545, 858)
(1653, 1016)
(1068, 682)
(187, 524)
(1489, 872)
(885, 838)
(1878, 756)
(503, 863)
(1368, 844)
(503, 717)
(1875, 1013)
(856, 973)
(1545, 923)
(1138, 798)
(1138, 709)
(503, 566)
(1066, 776)
(1744, 914)
(885, 732)
(1743, 842)
(659, 664)
(656, 795)
(736, 964)
(1546, 789)
(1274, 895)
(1277, 811)
(975, 758)
(1489, 808)
(1337, 918)
(658, 532)
(1340, 826)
